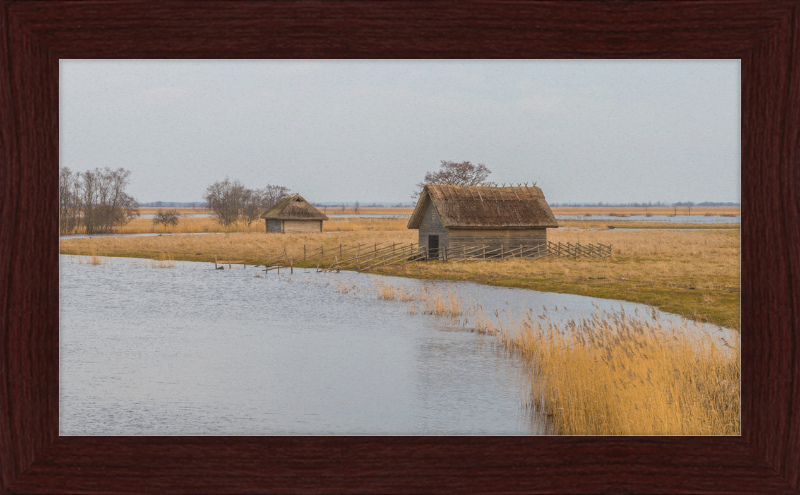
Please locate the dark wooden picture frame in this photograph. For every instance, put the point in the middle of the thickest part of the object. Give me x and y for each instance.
(36, 34)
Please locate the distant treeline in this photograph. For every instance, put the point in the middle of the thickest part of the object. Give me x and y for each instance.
(95, 201)
(174, 204)
(659, 203)
(365, 205)
(203, 204)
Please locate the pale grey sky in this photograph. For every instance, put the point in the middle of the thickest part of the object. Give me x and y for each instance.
(585, 131)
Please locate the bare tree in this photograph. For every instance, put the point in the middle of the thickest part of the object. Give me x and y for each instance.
(356, 207)
(95, 201)
(456, 174)
(226, 200)
(251, 207)
(271, 195)
(231, 201)
(341, 209)
(168, 217)
(69, 200)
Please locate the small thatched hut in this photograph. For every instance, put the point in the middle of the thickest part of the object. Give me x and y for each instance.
(293, 214)
(463, 217)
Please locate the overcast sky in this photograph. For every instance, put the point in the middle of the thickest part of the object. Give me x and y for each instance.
(585, 131)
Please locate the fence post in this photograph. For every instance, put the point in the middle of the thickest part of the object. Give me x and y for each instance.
(484, 252)
(215, 261)
(304, 252)
(291, 267)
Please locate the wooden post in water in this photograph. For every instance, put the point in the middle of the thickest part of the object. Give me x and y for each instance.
(215, 262)
(304, 252)
(291, 267)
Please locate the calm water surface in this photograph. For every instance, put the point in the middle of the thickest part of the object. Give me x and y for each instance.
(195, 351)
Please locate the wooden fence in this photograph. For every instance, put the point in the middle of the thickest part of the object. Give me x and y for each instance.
(363, 257)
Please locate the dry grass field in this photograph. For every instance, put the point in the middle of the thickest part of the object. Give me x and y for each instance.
(558, 210)
(208, 224)
(252, 246)
(188, 225)
(641, 210)
(691, 273)
(611, 374)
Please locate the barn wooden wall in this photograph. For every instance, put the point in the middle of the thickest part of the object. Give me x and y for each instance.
(431, 224)
(273, 226)
(302, 226)
(460, 238)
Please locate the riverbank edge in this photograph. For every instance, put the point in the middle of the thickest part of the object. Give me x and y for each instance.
(683, 301)
(676, 300)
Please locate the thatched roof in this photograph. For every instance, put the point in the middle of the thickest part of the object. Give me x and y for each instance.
(294, 207)
(479, 207)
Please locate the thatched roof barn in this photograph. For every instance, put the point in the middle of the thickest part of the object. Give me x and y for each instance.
(463, 217)
(293, 214)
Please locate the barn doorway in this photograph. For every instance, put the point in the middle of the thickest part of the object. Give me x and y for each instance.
(433, 247)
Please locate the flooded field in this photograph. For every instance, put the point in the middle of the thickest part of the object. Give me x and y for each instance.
(190, 350)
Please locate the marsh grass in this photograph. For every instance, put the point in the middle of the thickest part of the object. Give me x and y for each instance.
(643, 211)
(611, 373)
(193, 225)
(621, 374)
(91, 259)
(163, 260)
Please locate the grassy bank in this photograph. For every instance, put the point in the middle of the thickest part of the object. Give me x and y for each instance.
(609, 374)
(691, 273)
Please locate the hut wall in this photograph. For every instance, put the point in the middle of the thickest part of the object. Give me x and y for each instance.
(302, 226)
(273, 226)
(431, 224)
(494, 239)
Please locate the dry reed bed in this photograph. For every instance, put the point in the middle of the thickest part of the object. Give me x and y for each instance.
(191, 225)
(254, 247)
(641, 210)
(610, 374)
(589, 223)
(162, 260)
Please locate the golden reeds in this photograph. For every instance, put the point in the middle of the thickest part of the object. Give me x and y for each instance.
(618, 374)
(93, 259)
(192, 225)
(642, 210)
(611, 373)
(162, 261)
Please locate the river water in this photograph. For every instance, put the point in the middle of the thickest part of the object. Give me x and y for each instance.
(190, 350)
